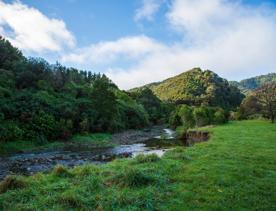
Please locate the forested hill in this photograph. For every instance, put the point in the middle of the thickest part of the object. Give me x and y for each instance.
(40, 101)
(250, 84)
(197, 87)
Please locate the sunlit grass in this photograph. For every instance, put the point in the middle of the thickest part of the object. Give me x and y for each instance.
(234, 170)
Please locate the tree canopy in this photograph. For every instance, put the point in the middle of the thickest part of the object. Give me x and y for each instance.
(43, 101)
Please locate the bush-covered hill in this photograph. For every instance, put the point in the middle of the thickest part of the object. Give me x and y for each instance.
(197, 87)
(250, 84)
(40, 101)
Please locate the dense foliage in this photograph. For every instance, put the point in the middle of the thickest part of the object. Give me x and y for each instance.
(250, 84)
(250, 108)
(157, 110)
(190, 116)
(262, 101)
(41, 102)
(197, 87)
(200, 98)
(266, 96)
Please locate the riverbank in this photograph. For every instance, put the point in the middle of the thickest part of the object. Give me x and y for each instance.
(84, 149)
(234, 170)
(84, 141)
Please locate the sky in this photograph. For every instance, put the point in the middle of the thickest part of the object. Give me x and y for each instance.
(136, 42)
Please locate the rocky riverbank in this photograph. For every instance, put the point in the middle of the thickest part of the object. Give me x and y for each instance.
(72, 154)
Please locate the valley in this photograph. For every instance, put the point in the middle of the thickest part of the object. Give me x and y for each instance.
(71, 139)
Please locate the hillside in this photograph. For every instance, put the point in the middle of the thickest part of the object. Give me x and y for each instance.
(43, 102)
(248, 85)
(196, 87)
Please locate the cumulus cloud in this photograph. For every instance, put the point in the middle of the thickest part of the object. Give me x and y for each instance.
(107, 52)
(232, 39)
(226, 36)
(147, 10)
(30, 30)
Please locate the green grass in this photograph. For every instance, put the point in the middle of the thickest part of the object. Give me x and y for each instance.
(97, 139)
(93, 140)
(18, 146)
(234, 170)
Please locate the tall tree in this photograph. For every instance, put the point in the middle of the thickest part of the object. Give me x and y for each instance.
(9, 55)
(104, 101)
(266, 95)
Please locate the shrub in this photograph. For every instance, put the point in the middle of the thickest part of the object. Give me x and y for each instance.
(186, 115)
(45, 124)
(235, 115)
(175, 119)
(219, 117)
(10, 131)
(249, 106)
(201, 116)
(181, 132)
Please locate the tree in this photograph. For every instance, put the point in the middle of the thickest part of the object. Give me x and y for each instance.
(201, 116)
(9, 55)
(104, 102)
(40, 101)
(219, 116)
(186, 115)
(250, 106)
(266, 95)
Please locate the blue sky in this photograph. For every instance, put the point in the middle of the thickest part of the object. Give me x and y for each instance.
(140, 41)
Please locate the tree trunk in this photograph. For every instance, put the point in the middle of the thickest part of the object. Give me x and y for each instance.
(271, 111)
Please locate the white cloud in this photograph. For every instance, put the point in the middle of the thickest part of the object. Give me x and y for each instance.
(232, 39)
(147, 10)
(30, 30)
(107, 52)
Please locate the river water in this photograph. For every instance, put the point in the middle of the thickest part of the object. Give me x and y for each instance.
(29, 163)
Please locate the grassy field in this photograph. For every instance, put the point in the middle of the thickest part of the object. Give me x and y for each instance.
(234, 170)
(95, 140)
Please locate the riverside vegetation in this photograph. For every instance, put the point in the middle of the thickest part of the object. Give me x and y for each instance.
(44, 106)
(235, 170)
(42, 103)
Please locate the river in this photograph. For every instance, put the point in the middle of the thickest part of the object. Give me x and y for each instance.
(31, 162)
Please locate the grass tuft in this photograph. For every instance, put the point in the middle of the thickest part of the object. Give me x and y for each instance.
(85, 170)
(11, 183)
(61, 171)
(142, 158)
(178, 154)
(70, 199)
(133, 177)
